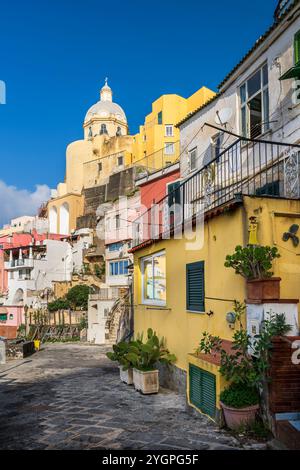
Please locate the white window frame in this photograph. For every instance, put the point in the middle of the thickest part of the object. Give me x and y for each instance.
(195, 149)
(245, 104)
(167, 128)
(169, 145)
(145, 301)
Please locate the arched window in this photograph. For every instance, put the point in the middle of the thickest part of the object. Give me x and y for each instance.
(119, 131)
(64, 217)
(53, 220)
(90, 132)
(103, 129)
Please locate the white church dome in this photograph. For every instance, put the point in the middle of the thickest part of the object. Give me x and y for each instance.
(105, 107)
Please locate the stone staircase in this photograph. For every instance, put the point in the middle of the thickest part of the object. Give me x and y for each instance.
(113, 326)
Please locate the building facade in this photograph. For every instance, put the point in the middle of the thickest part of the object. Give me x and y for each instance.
(241, 163)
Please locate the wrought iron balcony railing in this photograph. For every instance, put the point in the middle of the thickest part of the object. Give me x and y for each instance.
(247, 167)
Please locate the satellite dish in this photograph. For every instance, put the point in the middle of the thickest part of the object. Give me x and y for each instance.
(223, 116)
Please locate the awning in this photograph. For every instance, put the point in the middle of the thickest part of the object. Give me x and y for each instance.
(294, 72)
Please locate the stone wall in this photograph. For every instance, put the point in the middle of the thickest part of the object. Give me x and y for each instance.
(119, 184)
(173, 378)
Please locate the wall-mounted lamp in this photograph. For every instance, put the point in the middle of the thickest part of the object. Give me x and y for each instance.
(231, 319)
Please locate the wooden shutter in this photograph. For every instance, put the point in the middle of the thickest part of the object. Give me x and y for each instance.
(297, 47)
(195, 289)
(203, 390)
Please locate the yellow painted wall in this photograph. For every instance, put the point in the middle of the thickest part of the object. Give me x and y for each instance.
(182, 329)
(151, 138)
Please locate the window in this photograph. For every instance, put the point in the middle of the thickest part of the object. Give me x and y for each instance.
(99, 167)
(3, 316)
(118, 268)
(195, 292)
(173, 193)
(193, 159)
(160, 118)
(117, 221)
(154, 279)
(294, 72)
(169, 148)
(144, 138)
(115, 246)
(90, 132)
(119, 131)
(103, 129)
(169, 130)
(120, 160)
(254, 97)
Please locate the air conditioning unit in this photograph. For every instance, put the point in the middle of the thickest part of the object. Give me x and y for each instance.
(258, 313)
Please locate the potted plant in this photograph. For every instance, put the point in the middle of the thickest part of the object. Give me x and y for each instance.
(254, 263)
(119, 353)
(145, 356)
(246, 374)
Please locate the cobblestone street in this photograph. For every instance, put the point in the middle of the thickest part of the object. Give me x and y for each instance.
(69, 396)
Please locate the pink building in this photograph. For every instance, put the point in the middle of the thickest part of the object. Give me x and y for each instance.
(12, 316)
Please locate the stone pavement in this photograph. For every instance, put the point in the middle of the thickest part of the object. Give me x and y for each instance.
(69, 396)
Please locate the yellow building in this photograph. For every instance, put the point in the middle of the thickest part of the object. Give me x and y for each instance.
(157, 143)
(107, 149)
(162, 270)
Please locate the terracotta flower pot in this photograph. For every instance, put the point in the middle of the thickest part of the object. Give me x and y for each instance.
(237, 417)
(126, 376)
(264, 289)
(146, 382)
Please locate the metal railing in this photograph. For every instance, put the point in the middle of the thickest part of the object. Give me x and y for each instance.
(247, 167)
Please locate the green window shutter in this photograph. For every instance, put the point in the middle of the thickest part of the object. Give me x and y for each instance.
(203, 390)
(297, 47)
(159, 118)
(195, 288)
(3, 316)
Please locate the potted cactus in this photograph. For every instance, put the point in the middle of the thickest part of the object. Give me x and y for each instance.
(119, 353)
(254, 263)
(145, 356)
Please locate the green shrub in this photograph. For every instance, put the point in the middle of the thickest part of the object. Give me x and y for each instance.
(59, 304)
(239, 396)
(78, 296)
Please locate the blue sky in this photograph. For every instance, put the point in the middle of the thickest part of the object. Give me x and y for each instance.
(55, 54)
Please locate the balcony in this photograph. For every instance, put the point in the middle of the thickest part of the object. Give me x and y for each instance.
(250, 167)
(18, 263)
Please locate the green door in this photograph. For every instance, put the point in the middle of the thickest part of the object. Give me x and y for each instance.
(203, 390)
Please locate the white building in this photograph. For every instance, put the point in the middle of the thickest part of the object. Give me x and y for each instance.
(26, 224)
(257, 100)
(32, 269)
(118, 239)
(81, 240)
